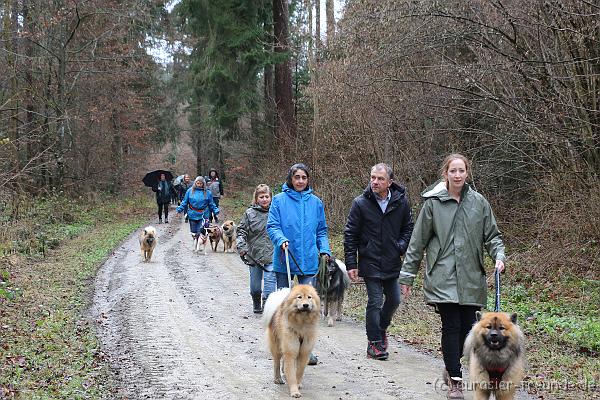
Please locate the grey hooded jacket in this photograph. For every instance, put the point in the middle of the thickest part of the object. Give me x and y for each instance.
(252, 236)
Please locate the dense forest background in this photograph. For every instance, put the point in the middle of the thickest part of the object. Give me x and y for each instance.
(253, 86)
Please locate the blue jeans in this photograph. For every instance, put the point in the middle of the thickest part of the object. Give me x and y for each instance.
(196, 226)
(379, 312)
(264, 280)
(282, 279)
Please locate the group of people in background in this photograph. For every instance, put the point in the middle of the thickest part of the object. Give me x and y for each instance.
(166, 191)
(385, 247)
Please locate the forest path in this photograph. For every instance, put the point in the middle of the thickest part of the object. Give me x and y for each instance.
(182, 327)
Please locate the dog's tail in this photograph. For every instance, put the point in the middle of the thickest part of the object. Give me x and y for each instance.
(342, 267)
(274, 300)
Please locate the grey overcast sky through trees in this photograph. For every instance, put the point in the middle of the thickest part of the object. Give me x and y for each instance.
(160, 49)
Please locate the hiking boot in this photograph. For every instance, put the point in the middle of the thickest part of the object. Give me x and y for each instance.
(455, 387)
(384, 340)
(375, 350)
(312, 359)
(257, 303)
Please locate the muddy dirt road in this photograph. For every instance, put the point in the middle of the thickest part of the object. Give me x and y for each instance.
(182, 327)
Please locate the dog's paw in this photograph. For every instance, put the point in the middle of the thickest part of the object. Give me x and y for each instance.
(329, 322)
(278, 381)
(296, 394)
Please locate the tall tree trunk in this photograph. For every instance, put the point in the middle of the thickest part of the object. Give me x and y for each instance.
(199, 151)
(9, 24)
(269, 102)
(31, 148)
(318, 24)
(285, 127)
(329, 14)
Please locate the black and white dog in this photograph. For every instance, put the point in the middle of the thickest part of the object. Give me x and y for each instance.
(332, 283)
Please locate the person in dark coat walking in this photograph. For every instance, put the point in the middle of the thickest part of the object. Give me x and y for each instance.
(378, 231)
(214, 184)
(164, 191)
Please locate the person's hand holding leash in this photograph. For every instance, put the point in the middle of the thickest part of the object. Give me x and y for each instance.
(353, 274)
(500, 265)
(406, 291)
(285, 245)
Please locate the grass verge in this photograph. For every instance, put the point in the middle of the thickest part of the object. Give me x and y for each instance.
(48, 349)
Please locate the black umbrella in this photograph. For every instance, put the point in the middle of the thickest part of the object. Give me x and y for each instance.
(152, 178)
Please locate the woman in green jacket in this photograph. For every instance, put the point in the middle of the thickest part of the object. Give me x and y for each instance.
(453, 227)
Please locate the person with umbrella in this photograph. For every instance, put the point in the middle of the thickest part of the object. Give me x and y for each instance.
(164, 190)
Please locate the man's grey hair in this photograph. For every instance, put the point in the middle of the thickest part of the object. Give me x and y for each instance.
(384, 166)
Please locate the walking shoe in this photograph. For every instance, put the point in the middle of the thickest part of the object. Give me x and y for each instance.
(166, 221)
(375, 350)
(384, 340)
(455, 387)
(312, 359)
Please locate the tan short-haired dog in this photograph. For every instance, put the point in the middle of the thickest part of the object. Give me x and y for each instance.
(228, 230)
(147, 242)
(291, 319)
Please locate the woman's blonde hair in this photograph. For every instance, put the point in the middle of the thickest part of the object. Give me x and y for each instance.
(260, 189)
(452, 157)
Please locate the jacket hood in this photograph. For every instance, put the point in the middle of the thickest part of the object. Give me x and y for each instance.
(294, 194)
(257, 207)
(397, 192)
(438, 190)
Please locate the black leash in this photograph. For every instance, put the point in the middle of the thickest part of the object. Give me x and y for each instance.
(497, 278)
(295, 262)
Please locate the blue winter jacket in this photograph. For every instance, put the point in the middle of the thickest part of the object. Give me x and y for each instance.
(198, 204)
(298, 218)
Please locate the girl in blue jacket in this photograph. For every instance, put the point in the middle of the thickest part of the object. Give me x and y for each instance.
(200, 205)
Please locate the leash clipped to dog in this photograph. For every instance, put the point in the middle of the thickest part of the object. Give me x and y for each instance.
(287, 266)
(497, 278)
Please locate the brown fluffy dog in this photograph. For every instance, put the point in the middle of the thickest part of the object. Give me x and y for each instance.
(495, 349)
(291, 319)
(228, 229)
(147, 242)
(214, 235)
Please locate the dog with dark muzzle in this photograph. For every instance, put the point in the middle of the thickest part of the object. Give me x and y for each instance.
(228, 230)
(495, 350)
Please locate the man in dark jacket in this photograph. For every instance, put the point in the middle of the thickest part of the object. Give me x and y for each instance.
(164, 190)
(378, 231)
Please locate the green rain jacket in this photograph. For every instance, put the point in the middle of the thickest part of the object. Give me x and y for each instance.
(453, 236)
